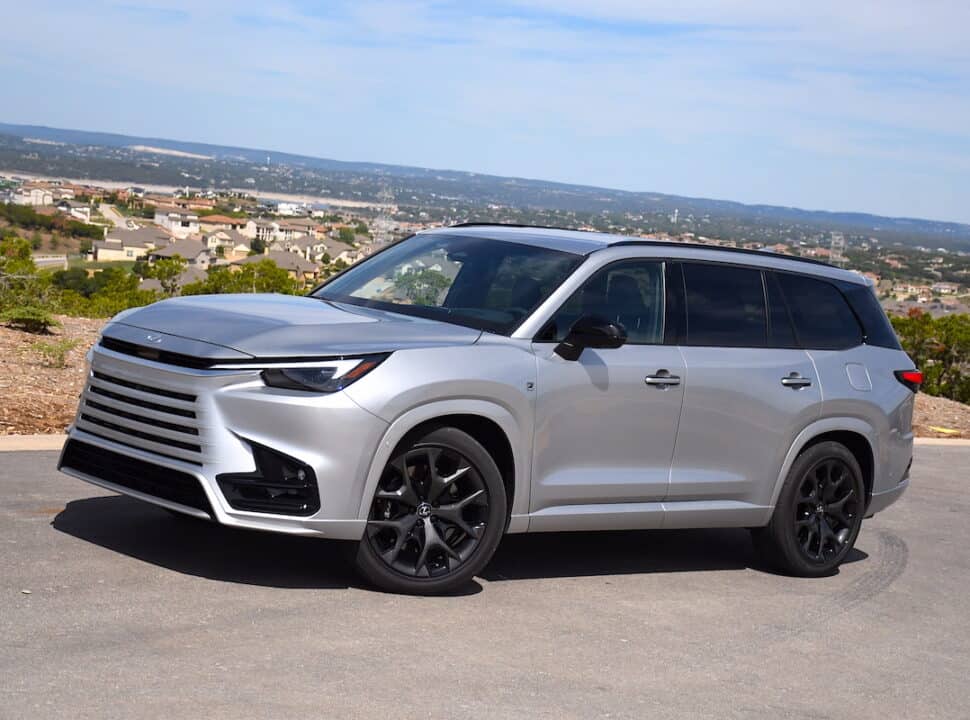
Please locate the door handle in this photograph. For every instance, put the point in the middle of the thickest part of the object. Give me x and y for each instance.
(795, 381)
(662, 379)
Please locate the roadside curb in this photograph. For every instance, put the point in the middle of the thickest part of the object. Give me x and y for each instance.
(23, 443)
(18, 443)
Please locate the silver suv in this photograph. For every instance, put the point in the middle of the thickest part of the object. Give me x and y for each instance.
(479, 380)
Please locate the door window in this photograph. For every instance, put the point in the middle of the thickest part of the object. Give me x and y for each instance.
(630, 292)
(725, 305)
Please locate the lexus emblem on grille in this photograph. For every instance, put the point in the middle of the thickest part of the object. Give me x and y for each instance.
(153, 339)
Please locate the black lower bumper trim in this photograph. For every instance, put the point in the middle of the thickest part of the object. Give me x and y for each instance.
(135, 474)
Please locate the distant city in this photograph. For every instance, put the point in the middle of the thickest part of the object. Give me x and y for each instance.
(114, 200)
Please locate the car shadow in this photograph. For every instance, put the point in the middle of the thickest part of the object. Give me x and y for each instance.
(216, 552)
(578, 554)
(204, 549)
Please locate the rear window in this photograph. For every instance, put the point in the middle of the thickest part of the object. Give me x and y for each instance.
(725, 306)
(822, 316)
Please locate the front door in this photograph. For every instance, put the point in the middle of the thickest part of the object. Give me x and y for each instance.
(606, 424)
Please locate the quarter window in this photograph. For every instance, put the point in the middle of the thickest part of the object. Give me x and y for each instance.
(725, 305)
(822, 317)
(630, 292)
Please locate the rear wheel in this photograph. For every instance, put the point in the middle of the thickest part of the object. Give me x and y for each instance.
(819, 513)
(436, 517)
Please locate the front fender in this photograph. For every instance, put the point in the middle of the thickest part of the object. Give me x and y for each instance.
(518, 437)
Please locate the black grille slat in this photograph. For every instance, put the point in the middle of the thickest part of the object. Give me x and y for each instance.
(144, 388)
(141, 403)
(139, 434)
(141, 418)
(134, 474)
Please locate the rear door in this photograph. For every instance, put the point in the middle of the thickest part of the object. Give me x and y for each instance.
(751, 389)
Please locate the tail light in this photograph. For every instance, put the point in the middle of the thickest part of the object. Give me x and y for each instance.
(910, 378)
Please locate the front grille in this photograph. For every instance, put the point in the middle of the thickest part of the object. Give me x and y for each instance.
(145, 415)
(134, 474)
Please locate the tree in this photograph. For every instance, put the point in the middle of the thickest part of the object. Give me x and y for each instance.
(168, 271)
(36, 240)
(346, 235)
(264, 276)
(940, 347)
(257, 246)
(422, 287)
(75, 279)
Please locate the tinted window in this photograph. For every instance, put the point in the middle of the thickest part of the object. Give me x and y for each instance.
(629, 292)
(823, 318)
(780, 331)
(725, 306)
(485, 283)
(875, 324)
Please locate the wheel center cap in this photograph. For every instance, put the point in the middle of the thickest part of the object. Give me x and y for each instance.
(424, 510)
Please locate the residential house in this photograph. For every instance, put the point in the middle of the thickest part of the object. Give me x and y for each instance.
(191, 274)
(290, 208)
(296, 266)
(192, 250)
(35, 195)
(128, 244)
(945, 288)
(193, 203)
(180, 224)
(278, 234)
(234, 244)
(77, 210)
(211, 223)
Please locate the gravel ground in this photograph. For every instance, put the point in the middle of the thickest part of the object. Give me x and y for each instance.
(42, 399)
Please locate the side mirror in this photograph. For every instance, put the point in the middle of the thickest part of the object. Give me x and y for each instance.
(590, 331)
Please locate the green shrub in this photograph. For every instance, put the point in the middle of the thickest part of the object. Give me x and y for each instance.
(55, 352)
(31, 318)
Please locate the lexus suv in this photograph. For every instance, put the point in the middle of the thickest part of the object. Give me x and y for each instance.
(478, 380)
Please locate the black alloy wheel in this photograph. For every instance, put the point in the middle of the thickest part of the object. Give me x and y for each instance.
(818, 515)
(436, 516)
(826, 510)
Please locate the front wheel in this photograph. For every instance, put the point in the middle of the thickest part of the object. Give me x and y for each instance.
(818, 515)
(436, 517)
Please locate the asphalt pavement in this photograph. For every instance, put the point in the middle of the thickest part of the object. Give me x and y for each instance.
(111, 608)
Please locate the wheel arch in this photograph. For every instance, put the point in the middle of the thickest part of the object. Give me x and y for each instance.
(855, 434)
(491, 425)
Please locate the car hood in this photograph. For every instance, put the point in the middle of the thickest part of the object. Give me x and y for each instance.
(277, 326)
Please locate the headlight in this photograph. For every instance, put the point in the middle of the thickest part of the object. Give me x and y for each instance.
(326, 376)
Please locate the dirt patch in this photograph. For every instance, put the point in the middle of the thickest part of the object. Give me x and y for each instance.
(42, 399)
(38, 398)
(939, 417)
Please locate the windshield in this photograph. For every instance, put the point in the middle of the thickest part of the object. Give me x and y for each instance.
(479, 282)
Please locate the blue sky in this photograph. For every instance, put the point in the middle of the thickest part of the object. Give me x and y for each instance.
(835, 105)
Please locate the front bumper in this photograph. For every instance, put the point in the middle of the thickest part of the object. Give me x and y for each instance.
(127, 409)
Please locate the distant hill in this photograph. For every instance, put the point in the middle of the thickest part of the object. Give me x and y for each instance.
(200, 163)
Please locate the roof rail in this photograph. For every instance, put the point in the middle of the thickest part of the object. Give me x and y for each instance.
(722, 248)
(654, 243)
(515, 225)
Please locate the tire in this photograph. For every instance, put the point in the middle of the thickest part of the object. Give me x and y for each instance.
(818, 515)
(436, 517)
